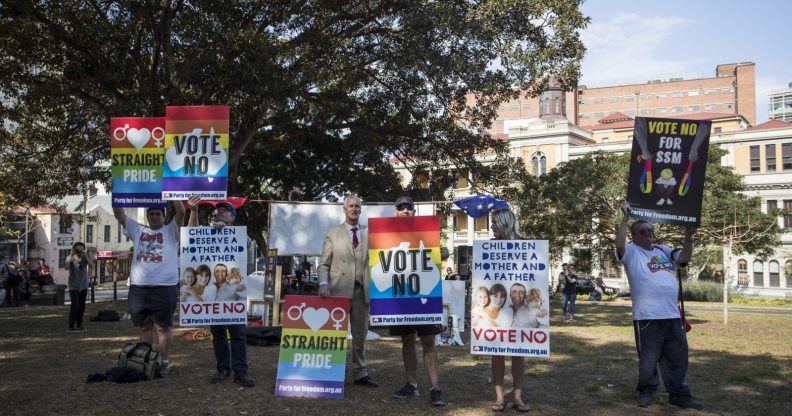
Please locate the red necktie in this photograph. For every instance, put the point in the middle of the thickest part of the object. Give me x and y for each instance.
(354, 237)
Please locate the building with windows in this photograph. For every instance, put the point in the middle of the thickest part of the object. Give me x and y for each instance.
(780, 106)
(732, 90)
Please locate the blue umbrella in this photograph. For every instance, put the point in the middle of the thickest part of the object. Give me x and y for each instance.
(479, 205)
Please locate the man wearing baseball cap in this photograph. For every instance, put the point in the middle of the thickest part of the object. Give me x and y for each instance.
(406, 208)
(229, 341)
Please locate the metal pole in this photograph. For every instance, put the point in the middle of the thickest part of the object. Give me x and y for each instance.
(27, 216)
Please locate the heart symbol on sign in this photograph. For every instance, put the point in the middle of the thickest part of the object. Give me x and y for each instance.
(138, 138)
(424, 300)
(315, 318)
(210, 179)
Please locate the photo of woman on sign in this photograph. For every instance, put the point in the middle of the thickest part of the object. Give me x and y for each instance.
(497, 310)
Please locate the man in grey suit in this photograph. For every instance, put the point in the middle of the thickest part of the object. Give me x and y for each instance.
(343, 272)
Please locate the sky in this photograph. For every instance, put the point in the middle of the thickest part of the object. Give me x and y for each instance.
(640, 40)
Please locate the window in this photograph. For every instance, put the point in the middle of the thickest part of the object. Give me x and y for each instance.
(583, 115)
(514, 107)
(630, 113)
(770, 158)
(598, 100)
(660, 96)
(501, 108)
(106, 234)
(786, 156)
(676, 109)
(788, 273)
(709, 107)
(755, 161)
(65, 224)
(788, 217)
(599, 115)
(62, 254)
(661, 110)
(526, 106)
(742, 273)
(694, 108)
(775, 275)
(727, 106)
(538, 163)
(605, 140)
(710, 92)
(646, 112)
(727, 89)
(629, 98)
(583, 101)
(89, 233)
(717, 130)
(693, 93)
(758, 274)
(676, 94)
(646, 97)
(613, 99)
(772, 205)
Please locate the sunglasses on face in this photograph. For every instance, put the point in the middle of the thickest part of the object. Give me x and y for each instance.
(645, 232)
(404, 207)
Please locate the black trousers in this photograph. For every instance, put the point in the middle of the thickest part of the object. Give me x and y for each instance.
(662, 343)
(77, 307)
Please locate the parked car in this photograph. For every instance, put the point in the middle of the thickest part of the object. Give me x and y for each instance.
(585, 285)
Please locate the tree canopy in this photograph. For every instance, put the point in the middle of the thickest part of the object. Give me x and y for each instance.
(323, 95)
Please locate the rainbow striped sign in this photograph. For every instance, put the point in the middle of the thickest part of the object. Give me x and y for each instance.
(405, 271)
(313, 347)
(196, 152)
(137, 154)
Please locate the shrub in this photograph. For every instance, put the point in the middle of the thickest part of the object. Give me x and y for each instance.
(751, 300)
(703, 291)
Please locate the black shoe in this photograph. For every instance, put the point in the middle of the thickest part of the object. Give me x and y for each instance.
(219, 376)
(366, 381)
(645, 398)
(409, 390)
(243, 380)
(685, 403)
(436, 397)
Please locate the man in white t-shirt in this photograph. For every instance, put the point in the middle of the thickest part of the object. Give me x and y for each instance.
(659, 333)
(154, 275)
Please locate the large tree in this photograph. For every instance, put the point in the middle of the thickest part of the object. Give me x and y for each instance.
(323, 94)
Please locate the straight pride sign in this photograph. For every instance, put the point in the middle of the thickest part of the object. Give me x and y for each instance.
(404, 271)
(137, 154)
(196, 152)
(312, 359)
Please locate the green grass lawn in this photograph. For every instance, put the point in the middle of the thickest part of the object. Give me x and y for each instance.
(742, 369)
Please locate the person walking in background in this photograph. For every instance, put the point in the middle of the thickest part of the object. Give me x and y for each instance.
(342, 270)
(9, 271)
(659, 332)
(504, 227)
(229, 341)
(77, 263)
(426, 333)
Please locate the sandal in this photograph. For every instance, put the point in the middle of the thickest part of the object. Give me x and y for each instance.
(499, 407)
(521, 407)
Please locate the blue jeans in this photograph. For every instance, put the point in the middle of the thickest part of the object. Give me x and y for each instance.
(662, 342)
(233, 357)
(569, 298)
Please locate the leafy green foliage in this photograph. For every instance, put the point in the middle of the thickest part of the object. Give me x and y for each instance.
(322, 94)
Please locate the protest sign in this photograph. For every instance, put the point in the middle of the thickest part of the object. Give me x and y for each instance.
(405, 271)
(667, 167)
(510, 308)
(214, 267)
(137, 153)
(196, 152)
(312, 359)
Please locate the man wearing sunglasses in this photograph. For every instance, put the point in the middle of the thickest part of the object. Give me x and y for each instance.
(659, 332)
(406, 208)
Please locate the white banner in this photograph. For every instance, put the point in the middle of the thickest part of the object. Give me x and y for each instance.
(299, 228)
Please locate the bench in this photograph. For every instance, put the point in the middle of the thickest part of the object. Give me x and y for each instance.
(52, 295)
